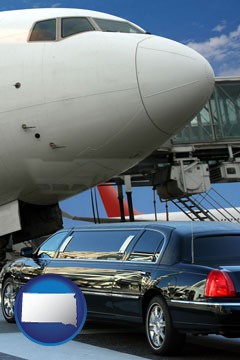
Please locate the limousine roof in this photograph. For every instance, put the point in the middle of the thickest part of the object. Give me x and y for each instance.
(183, 228)
(181, 235)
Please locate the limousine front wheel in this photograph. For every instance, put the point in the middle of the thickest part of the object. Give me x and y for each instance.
(161, 335)
(8, 296)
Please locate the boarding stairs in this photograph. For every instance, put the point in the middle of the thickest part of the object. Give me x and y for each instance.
(196, 207)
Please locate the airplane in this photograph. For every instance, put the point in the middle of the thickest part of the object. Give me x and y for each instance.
(110, 201)
(109, 197)
(84, 96)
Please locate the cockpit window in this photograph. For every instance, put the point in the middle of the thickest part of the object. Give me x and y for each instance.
(117, 26)
(75, 25)
(60, 28)
(44, 31)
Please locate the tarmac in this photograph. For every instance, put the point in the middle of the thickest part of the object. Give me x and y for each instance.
(16, 346)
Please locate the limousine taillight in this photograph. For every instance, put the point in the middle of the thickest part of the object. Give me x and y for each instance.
(219, 284)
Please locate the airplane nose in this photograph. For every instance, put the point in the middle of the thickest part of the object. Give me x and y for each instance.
(174, 82)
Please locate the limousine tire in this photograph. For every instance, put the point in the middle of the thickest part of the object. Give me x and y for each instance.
(8, 296)
(162, 337)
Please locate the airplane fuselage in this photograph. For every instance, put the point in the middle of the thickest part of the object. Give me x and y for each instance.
(84, 96)
(78, 110)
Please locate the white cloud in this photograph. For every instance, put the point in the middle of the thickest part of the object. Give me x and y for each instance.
(40, 4)
(223, 51)
(220, 27)
(56, 5)
(36, 5)
(226, 70)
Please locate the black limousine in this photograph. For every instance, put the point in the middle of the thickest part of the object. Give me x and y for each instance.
(175, 277)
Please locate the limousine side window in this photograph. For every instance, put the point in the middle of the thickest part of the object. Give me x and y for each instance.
(222, 249)
(100, 245)
(148, 247)
(50, 246)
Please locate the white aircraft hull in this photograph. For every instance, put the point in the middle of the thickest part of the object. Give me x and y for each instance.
(100, 103)
(76, 111)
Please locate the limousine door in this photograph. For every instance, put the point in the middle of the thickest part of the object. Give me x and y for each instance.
(136, 274)
(93, 278)
(90, 259)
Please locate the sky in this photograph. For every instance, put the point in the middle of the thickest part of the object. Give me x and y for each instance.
(212, 27)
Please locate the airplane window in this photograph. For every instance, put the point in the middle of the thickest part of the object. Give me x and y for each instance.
(71, 26)
(44, 31)
(117, 26)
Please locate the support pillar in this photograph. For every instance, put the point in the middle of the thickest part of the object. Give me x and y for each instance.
(120, 199)
(128, 185)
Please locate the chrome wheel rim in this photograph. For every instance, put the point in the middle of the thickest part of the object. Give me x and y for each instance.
(9, 300)
(156, 326)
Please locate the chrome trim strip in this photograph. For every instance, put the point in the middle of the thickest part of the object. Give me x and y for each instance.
(96, 293)
(65, 243)
(86, 260)
(204, 303)
(107, 261)
(112, 229)
(125, 244)
(110, 294)
(126, 296)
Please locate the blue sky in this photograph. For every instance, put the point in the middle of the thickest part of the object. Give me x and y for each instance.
(211, 27)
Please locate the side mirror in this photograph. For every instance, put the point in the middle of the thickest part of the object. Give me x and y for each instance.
(26, 252)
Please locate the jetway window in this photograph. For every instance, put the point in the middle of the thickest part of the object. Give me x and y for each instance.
(219, 120)
(117, 26)
(44, 31)
(75, 25)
